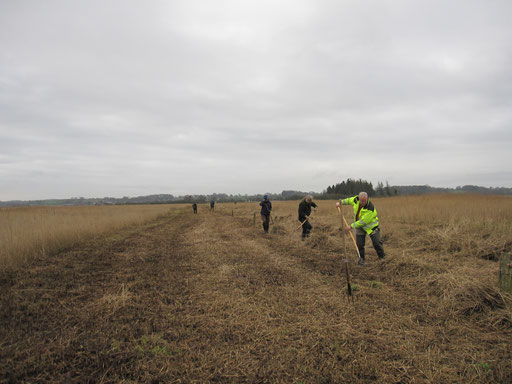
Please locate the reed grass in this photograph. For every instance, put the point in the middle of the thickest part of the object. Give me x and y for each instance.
(28, 232)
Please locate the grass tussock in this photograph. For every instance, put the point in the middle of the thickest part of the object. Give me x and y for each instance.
(117, 299)
(472, 294)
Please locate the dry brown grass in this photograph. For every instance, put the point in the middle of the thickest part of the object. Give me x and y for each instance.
(26, 232)
(210, 298)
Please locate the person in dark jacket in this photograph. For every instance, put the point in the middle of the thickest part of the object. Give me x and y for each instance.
(212, 206)
(266, 208)
(194, 207)
(304, 212)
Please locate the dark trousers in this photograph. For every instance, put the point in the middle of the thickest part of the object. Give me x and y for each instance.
(266, 220)
(377, 243)
(306, 228)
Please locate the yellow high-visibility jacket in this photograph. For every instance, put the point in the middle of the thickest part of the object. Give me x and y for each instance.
(368, 219)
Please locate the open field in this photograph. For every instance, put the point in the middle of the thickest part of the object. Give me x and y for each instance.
(210, 298)
(26, 232)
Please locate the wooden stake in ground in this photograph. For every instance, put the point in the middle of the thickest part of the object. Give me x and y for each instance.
(349, 287)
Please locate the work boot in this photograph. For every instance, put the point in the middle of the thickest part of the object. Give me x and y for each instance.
(360, 261)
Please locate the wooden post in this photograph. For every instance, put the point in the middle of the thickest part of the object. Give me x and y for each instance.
(254, 219)
(506, 273)
(349, 286)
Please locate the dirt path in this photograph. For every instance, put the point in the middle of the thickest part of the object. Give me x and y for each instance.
(209, 298)
(82, 315)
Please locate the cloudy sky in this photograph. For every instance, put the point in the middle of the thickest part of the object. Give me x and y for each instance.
(127, 98)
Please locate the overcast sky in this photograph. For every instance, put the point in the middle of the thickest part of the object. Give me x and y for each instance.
(127, 98)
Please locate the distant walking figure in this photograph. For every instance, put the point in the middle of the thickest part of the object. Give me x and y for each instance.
(304, 212)
(365, 222)
(212, 206)
(194, 207)
(266, 208)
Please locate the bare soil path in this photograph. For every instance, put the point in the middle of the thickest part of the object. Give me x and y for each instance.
(81, 315)
(209, 298)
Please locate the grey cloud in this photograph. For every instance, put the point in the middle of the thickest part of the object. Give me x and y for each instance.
(125, 98)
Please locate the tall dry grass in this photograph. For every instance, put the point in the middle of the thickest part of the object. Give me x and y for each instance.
(461, 218)
(474, 225)
(463, 225)
(26, 232)
(443, 245)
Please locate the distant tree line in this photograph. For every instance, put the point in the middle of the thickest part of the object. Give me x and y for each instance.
(352, 187)
(158, 199)
(427, 189)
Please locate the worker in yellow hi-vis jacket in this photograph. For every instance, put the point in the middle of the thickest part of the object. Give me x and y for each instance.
(365, 222)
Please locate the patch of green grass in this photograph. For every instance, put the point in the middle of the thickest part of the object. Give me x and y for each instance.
(144, 339)
(139, 350)
(375, 284)
(146, 344)
(115, 345)
(354, 287)
(486, 367)
(158, 350)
